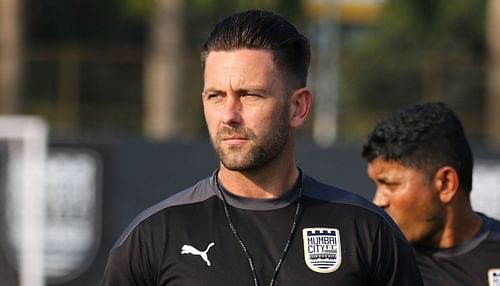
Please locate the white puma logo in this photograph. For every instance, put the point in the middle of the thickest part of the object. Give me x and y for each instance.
(188, 249)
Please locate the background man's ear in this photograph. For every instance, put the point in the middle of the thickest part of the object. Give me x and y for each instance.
(446, 182)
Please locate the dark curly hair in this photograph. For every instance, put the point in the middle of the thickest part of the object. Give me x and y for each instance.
(257, 29)
(426, 137)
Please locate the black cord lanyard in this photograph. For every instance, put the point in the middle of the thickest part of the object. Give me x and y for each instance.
(242, 244)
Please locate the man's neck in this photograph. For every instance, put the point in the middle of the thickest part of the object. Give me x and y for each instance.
(263, 183)
(462, 224)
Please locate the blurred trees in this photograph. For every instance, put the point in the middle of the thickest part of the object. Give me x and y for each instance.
(420, 50)
(83, 66)
(123, 66)
(106, 67)
(425, 25)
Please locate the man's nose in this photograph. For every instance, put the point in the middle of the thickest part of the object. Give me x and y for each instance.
(381, 199)
(232, 111)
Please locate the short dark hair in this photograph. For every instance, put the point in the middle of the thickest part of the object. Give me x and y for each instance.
(257, 29)
(426, 137)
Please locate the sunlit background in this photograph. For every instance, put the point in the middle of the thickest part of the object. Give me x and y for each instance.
(117, 85)
(131, 67)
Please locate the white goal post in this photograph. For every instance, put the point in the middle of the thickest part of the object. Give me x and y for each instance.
(24, 140)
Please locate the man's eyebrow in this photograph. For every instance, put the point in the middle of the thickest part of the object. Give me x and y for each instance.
(253, 89)
(211, 90)
(258, 90)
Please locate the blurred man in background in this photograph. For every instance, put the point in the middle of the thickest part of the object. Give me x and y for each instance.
(258, 220)
(421, 162)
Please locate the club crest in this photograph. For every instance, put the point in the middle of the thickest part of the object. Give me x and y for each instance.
(322, 249)
(494, 277)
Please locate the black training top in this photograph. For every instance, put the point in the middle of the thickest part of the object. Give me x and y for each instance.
(474, 262)
(340, 239)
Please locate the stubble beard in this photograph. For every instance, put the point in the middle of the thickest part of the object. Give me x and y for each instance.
(260, 151)
(430, 230)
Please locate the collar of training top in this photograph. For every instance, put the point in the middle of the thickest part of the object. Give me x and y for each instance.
(255, 203)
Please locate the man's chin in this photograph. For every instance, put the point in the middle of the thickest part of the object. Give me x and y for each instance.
(414, 238)
(233, 161)
(237, 167)
(238, 163)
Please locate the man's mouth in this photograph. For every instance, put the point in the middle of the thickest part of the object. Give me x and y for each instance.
(234, 140)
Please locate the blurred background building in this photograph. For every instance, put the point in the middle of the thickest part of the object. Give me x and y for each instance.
(118, 83)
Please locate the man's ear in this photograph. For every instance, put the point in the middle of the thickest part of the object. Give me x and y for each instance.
(446, 182)
(300, 106)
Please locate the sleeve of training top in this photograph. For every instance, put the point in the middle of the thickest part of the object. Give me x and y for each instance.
(130, 264)
(393, 259)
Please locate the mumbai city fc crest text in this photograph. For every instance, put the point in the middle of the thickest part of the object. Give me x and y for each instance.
(322, 249)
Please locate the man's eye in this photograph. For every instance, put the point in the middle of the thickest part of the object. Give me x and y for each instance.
(213, 96)
(252, 95)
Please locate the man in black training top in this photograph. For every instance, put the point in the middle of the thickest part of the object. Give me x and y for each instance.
(258, 220)
(421, 163)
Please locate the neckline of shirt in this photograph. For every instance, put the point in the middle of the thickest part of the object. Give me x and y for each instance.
(257, 204)
(466, 246)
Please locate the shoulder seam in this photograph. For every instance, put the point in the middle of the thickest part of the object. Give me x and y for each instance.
(199, 192)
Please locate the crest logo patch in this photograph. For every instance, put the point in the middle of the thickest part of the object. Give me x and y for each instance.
(494, 277)
(322, 249)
